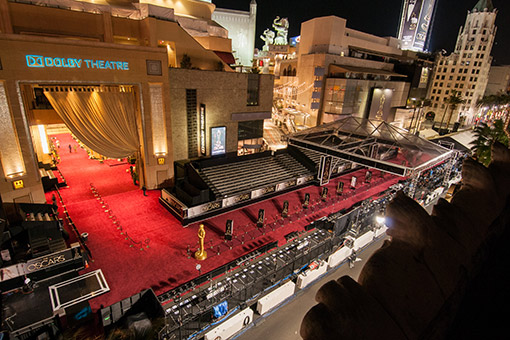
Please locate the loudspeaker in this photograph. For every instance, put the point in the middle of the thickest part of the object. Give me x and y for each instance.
(229, 230)
(260, 220)
(324, 194)
(307, 201)
(340, 188)
(285, 211)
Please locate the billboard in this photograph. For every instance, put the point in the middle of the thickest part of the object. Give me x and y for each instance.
(381, 104)
(218, 140)
(415, 23)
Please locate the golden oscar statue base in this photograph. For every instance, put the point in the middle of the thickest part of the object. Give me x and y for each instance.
(201, 255)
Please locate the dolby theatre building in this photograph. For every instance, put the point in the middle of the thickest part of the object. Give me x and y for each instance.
(100, 69)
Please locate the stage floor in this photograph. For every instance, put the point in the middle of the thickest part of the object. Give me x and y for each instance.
(151, 248)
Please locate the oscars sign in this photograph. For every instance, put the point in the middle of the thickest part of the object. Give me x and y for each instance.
(324, 194)
(325, 170)
(340, 188)
(307, 201)
(285, 211)
(229, 230)
(260, 220)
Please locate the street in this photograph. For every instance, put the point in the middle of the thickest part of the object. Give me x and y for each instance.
(284, 323)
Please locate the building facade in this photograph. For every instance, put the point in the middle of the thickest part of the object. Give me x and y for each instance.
(339, 71)
(96, 51)
(499, 80)
(466, 70)
(208, 104)
(241, 30)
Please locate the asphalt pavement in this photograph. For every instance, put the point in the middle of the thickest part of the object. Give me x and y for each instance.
(284, 322)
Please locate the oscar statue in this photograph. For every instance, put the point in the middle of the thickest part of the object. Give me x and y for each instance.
(201, 254)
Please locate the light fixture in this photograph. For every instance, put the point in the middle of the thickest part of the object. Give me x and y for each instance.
(43, 138)
(380, 219)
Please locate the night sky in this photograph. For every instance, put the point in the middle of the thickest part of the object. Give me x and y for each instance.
(379, 17)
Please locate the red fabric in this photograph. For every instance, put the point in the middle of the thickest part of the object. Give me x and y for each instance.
(227, 57)
(164, 264)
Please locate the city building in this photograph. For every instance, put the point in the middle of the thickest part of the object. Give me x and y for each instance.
(465, 72)
(499, 80)
(56, 53)
(231, 104)
(241, 30)
(416, 24)
(339, 71)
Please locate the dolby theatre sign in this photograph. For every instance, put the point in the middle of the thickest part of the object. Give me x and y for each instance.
(39, 61)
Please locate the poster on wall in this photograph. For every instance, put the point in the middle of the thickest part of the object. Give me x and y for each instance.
(325, 169)
(218, 140)
(381, 104)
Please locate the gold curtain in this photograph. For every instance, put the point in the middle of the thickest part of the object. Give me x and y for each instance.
(104, 119)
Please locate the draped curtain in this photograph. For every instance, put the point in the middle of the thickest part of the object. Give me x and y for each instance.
(103, 119)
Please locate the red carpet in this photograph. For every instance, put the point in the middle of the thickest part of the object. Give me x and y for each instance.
(130, 267)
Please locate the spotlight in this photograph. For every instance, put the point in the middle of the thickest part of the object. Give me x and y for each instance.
(380, 219)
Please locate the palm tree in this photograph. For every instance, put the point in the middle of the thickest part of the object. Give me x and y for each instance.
(418, 103)
(453, 101)
(497, 103)
(487, 135)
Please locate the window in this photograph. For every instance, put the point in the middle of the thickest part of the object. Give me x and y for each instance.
(458, 78)
(440, 85)
(446, 92)
(478, 55)
(456, 86)
(475, 78)
(253, 90)
(461, 86)
(437, 77)
(450, 78)
(251, 129)
(435, 84)
(435, 105)
(438, 91)
(434, 91)
(463, 78)
(465, 70)
(442, 77)
(449, 85)
(482, 55)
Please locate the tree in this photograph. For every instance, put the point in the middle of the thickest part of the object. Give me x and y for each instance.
(453, 101)
(417, 103)
(497, 104)
(186, 62)
(486, 136)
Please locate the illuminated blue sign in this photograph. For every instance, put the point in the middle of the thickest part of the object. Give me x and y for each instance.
(41, 61)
